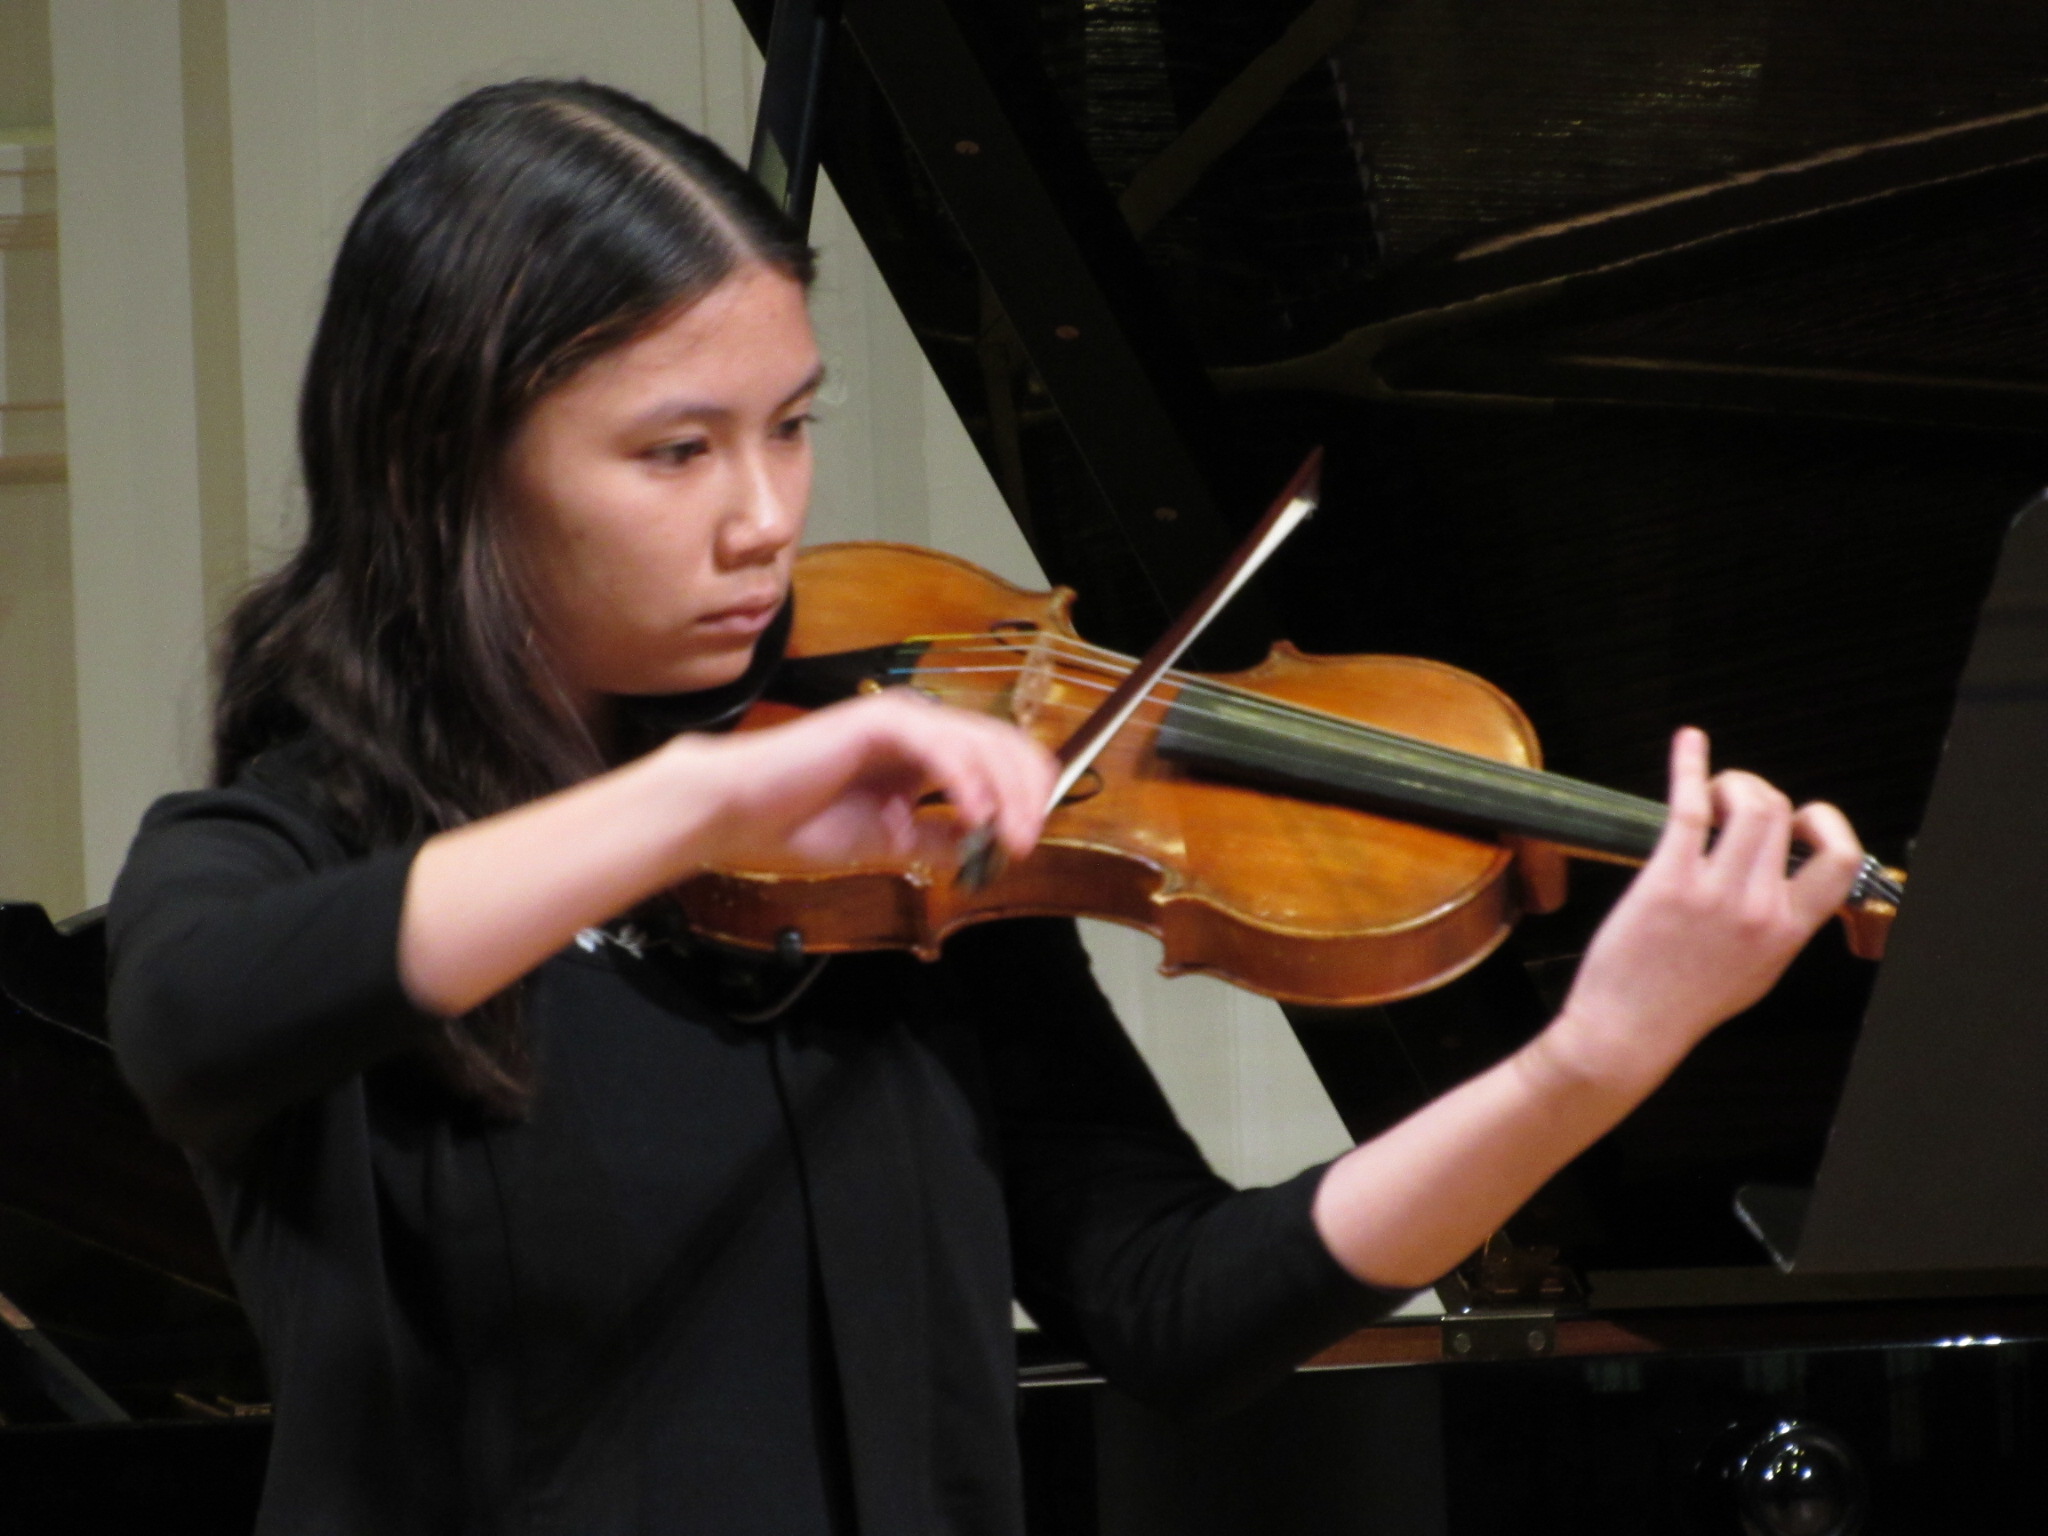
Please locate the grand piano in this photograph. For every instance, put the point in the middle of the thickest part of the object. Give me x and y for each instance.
(1675, 364)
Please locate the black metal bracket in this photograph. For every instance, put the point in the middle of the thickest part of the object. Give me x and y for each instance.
(1501, 1336)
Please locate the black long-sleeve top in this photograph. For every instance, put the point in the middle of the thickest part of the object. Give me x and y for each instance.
(723, 1278)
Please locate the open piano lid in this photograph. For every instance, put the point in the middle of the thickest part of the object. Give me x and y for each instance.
(1938, 1160)
(1672, 372)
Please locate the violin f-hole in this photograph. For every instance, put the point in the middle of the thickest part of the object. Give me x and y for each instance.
(1086, 787)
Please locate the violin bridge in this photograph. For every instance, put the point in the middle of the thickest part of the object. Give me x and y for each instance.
(1031, 694)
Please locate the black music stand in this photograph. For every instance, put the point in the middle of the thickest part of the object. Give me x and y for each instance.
(1938, 1158)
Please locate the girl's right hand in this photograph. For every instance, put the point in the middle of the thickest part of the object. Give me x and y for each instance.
(486, 903)
(843, 784)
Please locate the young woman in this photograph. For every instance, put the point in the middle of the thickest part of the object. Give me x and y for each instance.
(539, 1232)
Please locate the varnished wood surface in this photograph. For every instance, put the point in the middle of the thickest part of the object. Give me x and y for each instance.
(1682, 1330)
(1307, 902)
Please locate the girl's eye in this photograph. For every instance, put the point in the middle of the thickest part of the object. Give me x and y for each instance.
(791, 428)
(678, 453)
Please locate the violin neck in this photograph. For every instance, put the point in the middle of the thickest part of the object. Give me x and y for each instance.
(1232, 733)
(1243, 736)
(1229, 733)
(1253, 740)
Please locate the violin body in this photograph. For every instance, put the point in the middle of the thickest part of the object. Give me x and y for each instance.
(1298, 898)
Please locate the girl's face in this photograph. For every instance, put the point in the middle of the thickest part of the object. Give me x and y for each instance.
(656, 497)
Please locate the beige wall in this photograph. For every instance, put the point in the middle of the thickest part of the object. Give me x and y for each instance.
(219, 149)
(137, 601)
(24, 64)
(40, 857)
(40, 853)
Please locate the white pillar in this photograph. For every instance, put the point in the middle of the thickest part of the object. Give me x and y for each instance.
(136, 549)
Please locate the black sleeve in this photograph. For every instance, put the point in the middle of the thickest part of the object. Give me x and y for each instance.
(251, 966)
(1185, 1292)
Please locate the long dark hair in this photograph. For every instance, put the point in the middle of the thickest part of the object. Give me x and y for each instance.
(530, 228)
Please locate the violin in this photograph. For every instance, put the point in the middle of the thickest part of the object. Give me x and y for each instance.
(1328, 830)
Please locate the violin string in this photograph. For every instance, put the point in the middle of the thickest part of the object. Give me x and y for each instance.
(1425, 771)
(1594, 796)
(1475, 771)
(1284, 715)
(1289, 718)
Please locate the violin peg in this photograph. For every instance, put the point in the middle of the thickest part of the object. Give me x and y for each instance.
(1866, 925)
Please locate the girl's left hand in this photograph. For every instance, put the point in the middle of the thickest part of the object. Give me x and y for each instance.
(1707, 927)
